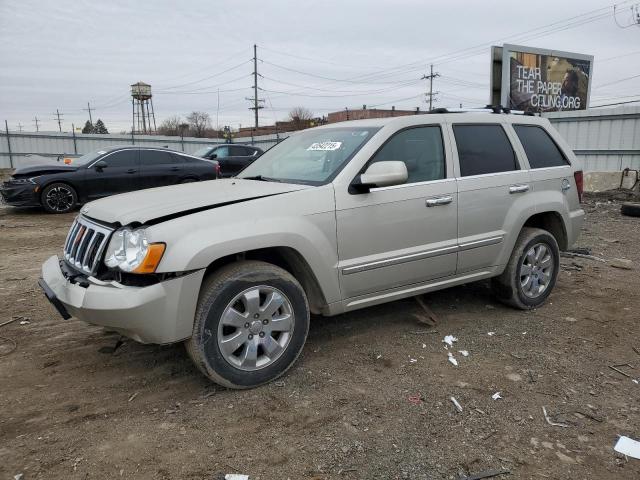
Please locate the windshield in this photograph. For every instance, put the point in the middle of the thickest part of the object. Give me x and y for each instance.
(201, 152)
(87, 158)
(311, 157)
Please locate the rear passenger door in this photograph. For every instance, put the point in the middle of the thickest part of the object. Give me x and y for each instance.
(240, 157)
(493, 193)
(159, 168)
(406, 234)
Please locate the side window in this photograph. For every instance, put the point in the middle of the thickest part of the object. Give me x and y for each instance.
(222, 152)
(238, 151)
(422, 151)
(155, 157)
(123, 158)
(177, 158)
(540, 148)
(484, 149)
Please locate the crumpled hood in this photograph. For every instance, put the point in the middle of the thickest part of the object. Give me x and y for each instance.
(35, 170)
(168, 202)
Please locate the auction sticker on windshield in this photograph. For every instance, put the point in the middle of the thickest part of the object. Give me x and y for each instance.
(324, 146)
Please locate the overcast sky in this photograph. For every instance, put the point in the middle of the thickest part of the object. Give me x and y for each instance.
(324, 55)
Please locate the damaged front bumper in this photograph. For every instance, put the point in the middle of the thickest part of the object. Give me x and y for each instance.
(159, 313)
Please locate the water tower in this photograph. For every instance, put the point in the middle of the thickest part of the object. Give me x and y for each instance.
(142, 105)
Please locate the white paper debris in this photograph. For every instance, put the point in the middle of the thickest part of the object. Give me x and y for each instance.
(412, 360)
(25, 322)
(635, 381)
(457, 405)
(236, 476)
(453, 360)
(629, 447)
(324, 146)
(464, 353)
(378, 357)
(424, 345)
(491, 334)
(449, 339)
(496, 396)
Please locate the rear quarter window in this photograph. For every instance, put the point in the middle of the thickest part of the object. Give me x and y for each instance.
(540, 148)
(483, 149)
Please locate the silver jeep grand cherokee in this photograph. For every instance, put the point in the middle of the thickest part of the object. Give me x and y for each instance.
(332, 219)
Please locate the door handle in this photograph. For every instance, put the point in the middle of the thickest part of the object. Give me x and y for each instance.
(435, 202)
(132, 170)
(175, 169)
(518, 188)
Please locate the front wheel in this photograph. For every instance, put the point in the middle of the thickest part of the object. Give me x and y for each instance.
(250, 325)
(532, 270)
(59, 198)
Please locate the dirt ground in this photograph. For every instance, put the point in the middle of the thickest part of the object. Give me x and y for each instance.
(370, 397)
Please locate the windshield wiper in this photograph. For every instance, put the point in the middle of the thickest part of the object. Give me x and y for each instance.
(262, 178)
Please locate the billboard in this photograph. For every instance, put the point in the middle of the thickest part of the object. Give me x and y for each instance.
(538, 80)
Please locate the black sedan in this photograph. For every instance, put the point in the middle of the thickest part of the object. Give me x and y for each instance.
(233, 158)
(58, 188)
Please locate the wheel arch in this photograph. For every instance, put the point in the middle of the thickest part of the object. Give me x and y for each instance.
(66, 182)
(552, 222)
(286, 258)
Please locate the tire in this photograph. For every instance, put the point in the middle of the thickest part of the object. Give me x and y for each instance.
(630, 209)
(231, 290)
(59, 198)
(519, 290)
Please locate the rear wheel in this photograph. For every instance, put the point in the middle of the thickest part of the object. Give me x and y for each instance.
(250, 325)
(531, 273)
(59, 198)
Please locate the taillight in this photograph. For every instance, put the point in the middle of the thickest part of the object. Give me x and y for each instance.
(217, 169)
(577, 176)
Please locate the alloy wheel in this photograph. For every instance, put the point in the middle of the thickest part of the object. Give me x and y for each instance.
(536, 270)
(255, 328)
(59, 199)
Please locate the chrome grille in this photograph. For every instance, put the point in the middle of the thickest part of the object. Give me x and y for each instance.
(85, 245)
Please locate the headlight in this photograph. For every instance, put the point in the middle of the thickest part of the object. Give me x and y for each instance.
(130, 251)
(21, 181)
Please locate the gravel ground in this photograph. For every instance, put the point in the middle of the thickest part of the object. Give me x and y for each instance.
(370, 397)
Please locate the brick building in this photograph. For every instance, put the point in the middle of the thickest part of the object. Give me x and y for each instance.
(366, 113)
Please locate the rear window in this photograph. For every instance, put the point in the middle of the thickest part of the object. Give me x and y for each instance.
(483, 149)
(540, 148)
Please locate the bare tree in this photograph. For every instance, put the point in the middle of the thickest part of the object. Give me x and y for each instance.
(199, 123)
(170, 126)
(301, 117)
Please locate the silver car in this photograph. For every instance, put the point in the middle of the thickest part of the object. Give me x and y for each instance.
(330, 220)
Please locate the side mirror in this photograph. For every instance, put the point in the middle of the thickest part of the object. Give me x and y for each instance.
(213, 156)
(382, 174)
(101, 165)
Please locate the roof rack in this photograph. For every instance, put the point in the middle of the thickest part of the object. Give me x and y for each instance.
(487, 109)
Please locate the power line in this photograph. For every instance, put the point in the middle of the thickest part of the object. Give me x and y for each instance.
(617, 81)
(206, 78)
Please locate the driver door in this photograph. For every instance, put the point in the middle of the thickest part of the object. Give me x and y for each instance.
(121, 174)
(403, 235)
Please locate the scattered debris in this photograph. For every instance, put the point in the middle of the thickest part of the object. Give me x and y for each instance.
(25, 322)
(636, 350)
(553, 424)
(236, 476)
(415, 399)
(18, 476)
(485, 474)
(456, 404)
(581, 255)
(464, 353)
(580, 250)
(627, 446)
(491, 334)
(113, 349)
(635, 381)
(449, 339)
(424, 345)
(615, 367)
(10, 321)
(622, 263)
(133, 396)
(413, 360)
(280, 383)
(496, 396)
(429, 318)
(453, 360)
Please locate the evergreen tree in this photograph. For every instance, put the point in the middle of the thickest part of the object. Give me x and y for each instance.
(88, 127)
(100, 128)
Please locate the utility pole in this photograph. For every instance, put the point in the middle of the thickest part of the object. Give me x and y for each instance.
(88, 109)
(256, 101)
(20, 127)
(36, 121)
(431, 93)
(58, 114)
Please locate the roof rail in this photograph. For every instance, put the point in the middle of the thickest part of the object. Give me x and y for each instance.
(487, 109)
